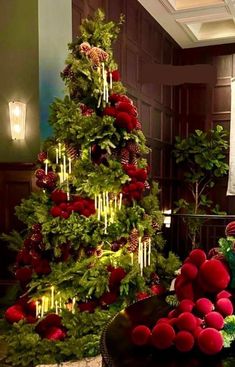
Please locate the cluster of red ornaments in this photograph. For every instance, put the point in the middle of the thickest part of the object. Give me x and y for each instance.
(64, 208)
(199, 317)
(124, 112)
(135, 188)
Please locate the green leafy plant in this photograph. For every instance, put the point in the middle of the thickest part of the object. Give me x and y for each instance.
(202, 157)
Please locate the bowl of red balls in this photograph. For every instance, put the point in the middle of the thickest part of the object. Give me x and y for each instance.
(204, 310)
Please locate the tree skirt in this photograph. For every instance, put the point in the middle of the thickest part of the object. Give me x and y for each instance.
(87, 362)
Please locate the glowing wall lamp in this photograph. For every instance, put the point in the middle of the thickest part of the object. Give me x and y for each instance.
(17, 119)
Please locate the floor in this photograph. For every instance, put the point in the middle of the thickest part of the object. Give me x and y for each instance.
(88, 362)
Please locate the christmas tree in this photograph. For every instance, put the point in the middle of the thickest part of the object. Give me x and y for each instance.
(93, 243)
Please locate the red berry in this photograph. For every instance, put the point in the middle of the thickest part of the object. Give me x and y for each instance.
(210, 341)
(204, 305)
(215, 320)
(197, 257)
(140, 335)
(163, 335)
(186, 321)
(224, 306)
(189, 271)
(184, 341)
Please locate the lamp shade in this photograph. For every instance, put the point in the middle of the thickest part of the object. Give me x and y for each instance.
(17, 119)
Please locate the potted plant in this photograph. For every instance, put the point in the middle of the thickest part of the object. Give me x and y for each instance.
(202, 157)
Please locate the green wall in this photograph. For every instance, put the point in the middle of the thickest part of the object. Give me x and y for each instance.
(33, 46)
(19, 76)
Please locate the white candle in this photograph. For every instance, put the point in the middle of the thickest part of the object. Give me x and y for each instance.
(46, 166)
(120, 200)
(59, 151)
(139, 242)
(149, 251)
(64, 164)
(43, 305)
(56, 156)
(115, 202)
(132, 260)
(60, 304)
(107, 201)
(145, 253)
(141, 258)
(46, 304)
(73, 304)
(102, 65)
(105, 221)
(70, 165)
(111, 80)
(62, 172)
(68, 192)
(39, 311)
(52, 296)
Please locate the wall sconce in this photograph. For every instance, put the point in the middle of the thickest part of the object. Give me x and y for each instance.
(167, 218)
(17, 119)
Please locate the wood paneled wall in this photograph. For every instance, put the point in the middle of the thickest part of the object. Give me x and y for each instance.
(16, 183)
(141, 41)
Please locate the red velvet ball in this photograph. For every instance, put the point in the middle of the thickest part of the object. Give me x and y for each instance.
(123, 119)
(141, 295)
(186, 305)
(184, 341)
(173, 313)
(54, 333)
(223, 294)
(140, 335)
(115, 277)
(14, 313)
(183, 288)
(55, 211)
(213, 283)
(125, 107)
(158, 289)
(204, 305)
(197, 257)
(163, 319)
(215, 320)
(189, 271)
(24, 275)
(64, 214)
(50, 320)
(40, 173)
(197, 331)
(110, 111)
(116, 75)
(163, 335)
(24, 257)
(31, 307)
(88, 306)
(41, 266)
(58, 196)
(210, 341)
(108, 298)
(30, 319)
(186, 321)
(224, 306)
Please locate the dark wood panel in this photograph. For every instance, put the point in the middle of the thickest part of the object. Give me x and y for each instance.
(224, 64)
(156, 124)
(132, 21)
(146, 118)
(222, 99)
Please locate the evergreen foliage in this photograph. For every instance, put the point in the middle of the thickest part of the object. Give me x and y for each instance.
(84, 260)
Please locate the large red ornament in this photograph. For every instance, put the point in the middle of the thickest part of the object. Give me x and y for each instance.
(140, 335)
(210, 341)
(14, 313)
(163, 335)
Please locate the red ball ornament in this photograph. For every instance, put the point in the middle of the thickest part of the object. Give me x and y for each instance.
(55, 211)
(140, 335)
(14, 313)
(189, 271)
(197, 331)
(108, 298)
(204, 306)
(115, 277)
(40, 173)
(197, 257)
(24, 275)
(186, 321)
(223, 294)
(183, 288)
(163, 335)
(163, 319)
(210, 341)
(214, 275)
(215, 320)
(184, 341)
(186, 305)
(54, 333)
(88, 306)
(124, 120)
(224, 306)
(42, 156)
(230, 229)
(158, 289)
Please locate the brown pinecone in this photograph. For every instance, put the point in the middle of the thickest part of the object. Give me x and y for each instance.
(125, 156)
(133, 240)
(155, 225)
(145, 238)
(133, 159)
(71, 151)
(133, 147)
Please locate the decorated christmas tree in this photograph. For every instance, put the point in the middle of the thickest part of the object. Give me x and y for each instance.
(93, 241)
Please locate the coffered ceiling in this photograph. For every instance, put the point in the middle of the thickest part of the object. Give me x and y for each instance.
(194, 23)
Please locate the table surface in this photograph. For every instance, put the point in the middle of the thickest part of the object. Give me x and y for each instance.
(118, 351)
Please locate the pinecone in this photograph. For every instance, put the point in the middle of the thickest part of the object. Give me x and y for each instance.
(155, 225)
(145, 238)
(133, 159)
(71, 151)
(133, 147)
(133, 240)
(146, 185)
(125, 155)
(42, 156)
(138, 125)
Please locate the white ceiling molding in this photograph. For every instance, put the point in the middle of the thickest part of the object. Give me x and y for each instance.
(194, 23)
